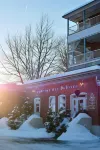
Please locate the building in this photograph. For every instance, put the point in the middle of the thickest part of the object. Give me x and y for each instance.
(83, 30)
(79, 88)
(83, 34)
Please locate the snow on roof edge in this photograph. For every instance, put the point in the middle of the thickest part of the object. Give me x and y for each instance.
(78, 7)
(92, 68)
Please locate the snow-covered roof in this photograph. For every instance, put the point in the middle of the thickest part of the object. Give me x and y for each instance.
(79, 71)
(86, 3)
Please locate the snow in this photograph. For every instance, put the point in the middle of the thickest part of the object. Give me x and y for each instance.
(25, 131)
(70, 73)
(26, 125)
(65, 121)
(35, 133)
(77, 133)
(3, 123)
(33, 116)
(76, 120)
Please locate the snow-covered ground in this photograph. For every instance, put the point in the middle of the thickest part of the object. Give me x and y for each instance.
(75, 132)
(25, 131)
(25, 144)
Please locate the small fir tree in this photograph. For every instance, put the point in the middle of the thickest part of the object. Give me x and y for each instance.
(19, 115)
(14, 121)
(57, 122)
(27, 109)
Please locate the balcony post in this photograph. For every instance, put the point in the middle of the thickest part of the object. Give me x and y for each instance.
(84, 19)
(67, 27)
(84, 49)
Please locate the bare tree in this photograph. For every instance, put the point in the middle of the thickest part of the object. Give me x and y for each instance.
(62, 58)
(31, 56)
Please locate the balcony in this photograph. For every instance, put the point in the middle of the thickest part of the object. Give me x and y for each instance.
(85, 58)
(84, 51)
(84, 25)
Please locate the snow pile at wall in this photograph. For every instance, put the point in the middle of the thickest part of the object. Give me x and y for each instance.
(78, 118)
(77, 132)
(26, 125)
(3, 123)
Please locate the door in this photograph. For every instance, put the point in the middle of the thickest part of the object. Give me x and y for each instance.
(77, 104)
(37, 105)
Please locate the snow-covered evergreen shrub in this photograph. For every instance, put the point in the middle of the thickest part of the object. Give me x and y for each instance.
(57, 122)
(27, 109)
(19, 115)
(14, 121)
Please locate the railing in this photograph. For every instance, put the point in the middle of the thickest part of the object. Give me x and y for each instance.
(89, 56)
(83, 25)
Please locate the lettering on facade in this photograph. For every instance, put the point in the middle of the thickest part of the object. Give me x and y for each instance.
(61, 88)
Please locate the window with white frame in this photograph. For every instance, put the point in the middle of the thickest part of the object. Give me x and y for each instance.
(52, 103)
(37, 105)
(61, 101)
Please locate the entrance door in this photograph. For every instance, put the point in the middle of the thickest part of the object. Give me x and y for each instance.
(37, 105)
(78, 103)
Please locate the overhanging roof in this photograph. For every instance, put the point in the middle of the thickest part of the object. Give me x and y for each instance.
(66, 74)
(73, 14)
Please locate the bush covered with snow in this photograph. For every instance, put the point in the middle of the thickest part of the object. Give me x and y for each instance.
(19, 115)
(57, 122)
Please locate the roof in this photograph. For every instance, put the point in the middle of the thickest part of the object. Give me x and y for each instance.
(66, 74)
(79, 7)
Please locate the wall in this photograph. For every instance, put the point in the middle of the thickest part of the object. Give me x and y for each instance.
(67, 87)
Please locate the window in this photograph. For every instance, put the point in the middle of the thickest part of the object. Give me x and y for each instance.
(62, 101)
(37, 105)
(52, 103)
(76, 52)
(37, 108)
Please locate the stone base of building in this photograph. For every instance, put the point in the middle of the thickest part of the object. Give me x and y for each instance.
(36, 122)
(96, 130)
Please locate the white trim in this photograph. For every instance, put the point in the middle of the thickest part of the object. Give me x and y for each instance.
(35, 102)
(54, 102)
(66, 74)
(77, 99)
(59, 100)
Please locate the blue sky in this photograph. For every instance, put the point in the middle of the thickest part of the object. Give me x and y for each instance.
(16, 14)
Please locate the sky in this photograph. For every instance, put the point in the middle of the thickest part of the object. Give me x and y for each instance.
(15, 15)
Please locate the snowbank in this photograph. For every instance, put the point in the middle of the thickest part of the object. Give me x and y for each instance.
(77, 133)
(26, 125)
(3, 123)
(77, 119)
